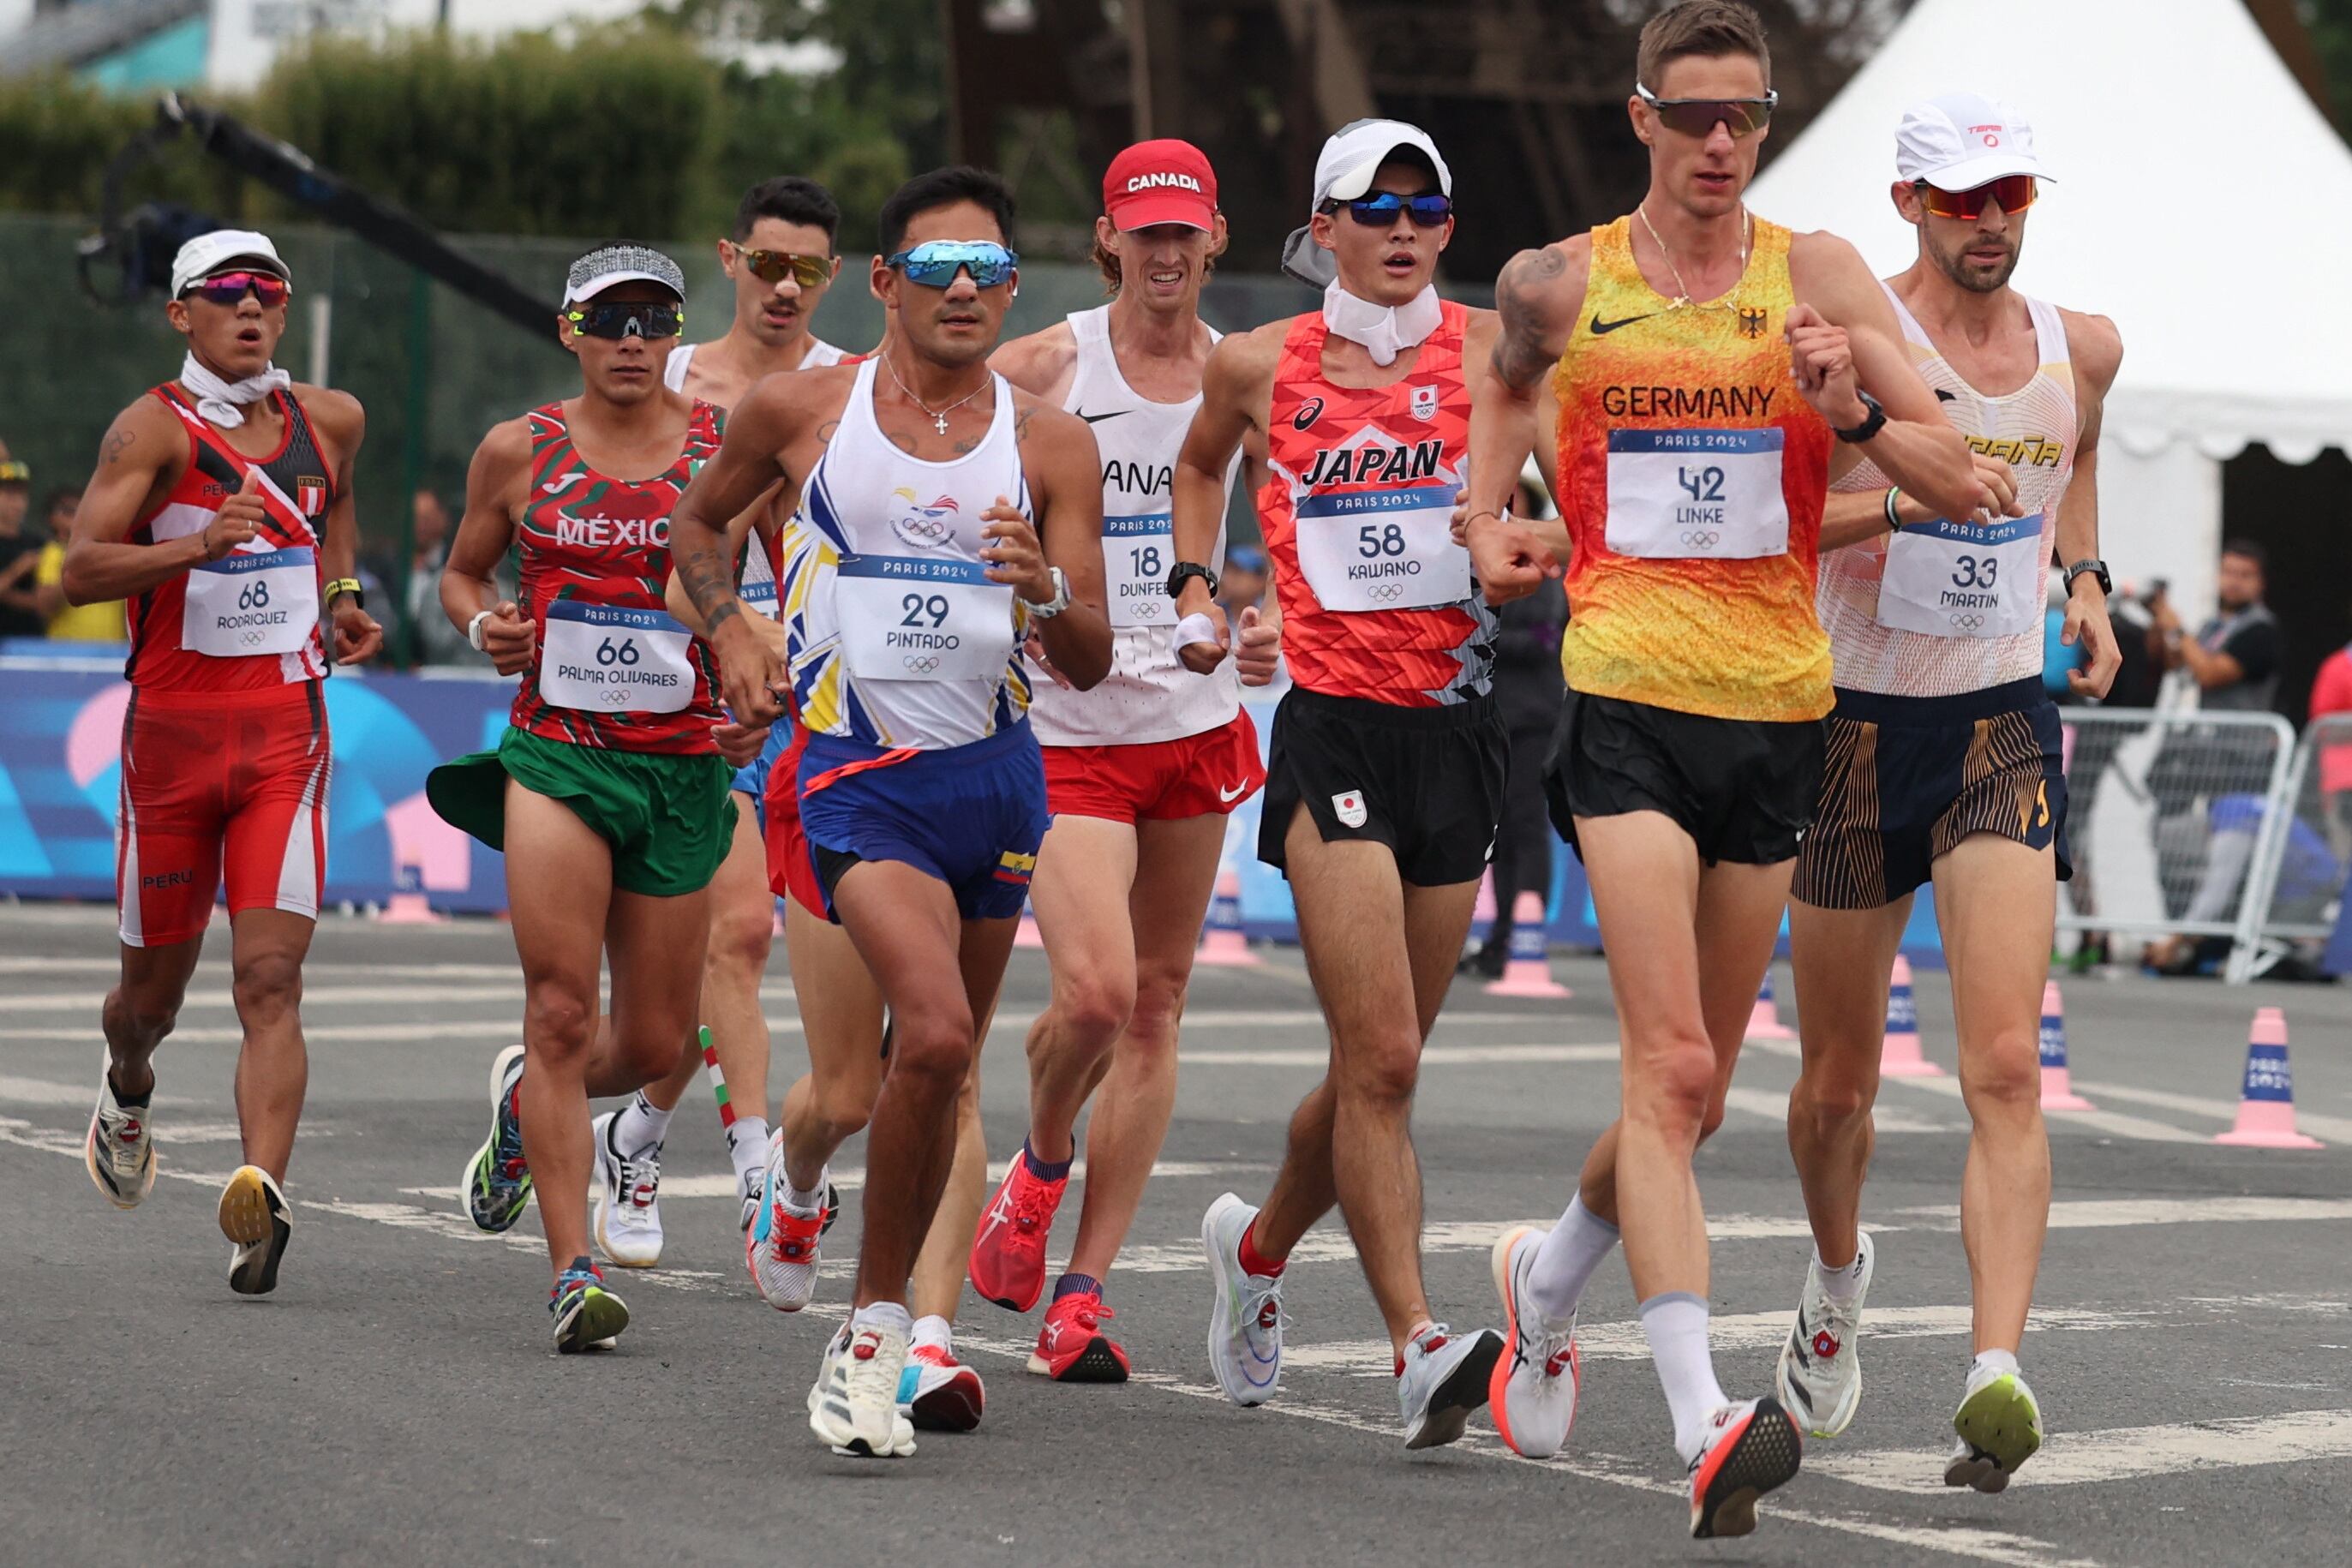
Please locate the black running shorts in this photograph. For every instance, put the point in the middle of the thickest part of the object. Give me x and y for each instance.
(1909, 777)
(1426, 782)
(1743, 789)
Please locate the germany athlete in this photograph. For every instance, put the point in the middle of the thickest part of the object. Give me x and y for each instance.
(1946, 766)
(222, 512)
(1706, 363)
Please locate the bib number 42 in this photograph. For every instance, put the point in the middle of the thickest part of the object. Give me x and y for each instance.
(1702, 484)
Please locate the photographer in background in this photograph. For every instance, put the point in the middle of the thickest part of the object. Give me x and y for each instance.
(2235, 655)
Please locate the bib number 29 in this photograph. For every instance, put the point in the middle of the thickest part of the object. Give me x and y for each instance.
(1375, 540)
(1977, 572)
(623, 651)
(924, 611)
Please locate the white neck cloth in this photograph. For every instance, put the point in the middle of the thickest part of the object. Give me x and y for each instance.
(224, 401)
(1385, 331)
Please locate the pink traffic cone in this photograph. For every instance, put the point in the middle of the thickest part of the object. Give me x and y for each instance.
(2057, 1086)
(1528, 973)
(1764, 1019)
(1900, 1056)
(2266, 1103)
(1223, 945)
(407, 906)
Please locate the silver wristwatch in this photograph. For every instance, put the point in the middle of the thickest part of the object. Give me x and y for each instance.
(1057, 603)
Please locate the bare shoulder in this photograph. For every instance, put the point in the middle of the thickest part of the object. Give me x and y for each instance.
(1245, 361)
(1550, 278)
(791, 398)
(507, 446)
(1038, 362)
(2095, 347)
(338, 415)
(1038, 418)
(1816, 256)
(145, 437)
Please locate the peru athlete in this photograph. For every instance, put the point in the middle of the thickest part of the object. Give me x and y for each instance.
(608, 791)
(222, 510)
(1386, 779)
(1707, 366)
(1140, 773)
(1945, 764)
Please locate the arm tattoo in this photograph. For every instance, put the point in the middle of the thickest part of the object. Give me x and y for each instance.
(115, 443)
(708, 583)
(1521, 354)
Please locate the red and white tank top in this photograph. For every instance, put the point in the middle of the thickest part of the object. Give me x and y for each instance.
(1377, 599)
(249, 623)
(1149, 695)
(612, 667)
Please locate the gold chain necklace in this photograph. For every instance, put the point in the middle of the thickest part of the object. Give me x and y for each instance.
(1682, 299)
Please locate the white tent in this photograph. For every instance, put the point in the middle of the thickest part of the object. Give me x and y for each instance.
(2198, 199)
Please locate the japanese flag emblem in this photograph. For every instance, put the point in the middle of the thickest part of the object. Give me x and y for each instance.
(1425, 402)
(1348, 806)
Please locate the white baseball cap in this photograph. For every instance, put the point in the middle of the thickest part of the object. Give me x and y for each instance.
(1344, 169)
(210, 253)
(1964, 140)
(601, 270)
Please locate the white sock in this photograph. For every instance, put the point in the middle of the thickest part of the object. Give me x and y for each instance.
(883, 1315)
(1993, 1364)
(1675, 1324)
(937, 1331)
(642, 1125)
(800, 1203)
(1840, 1285)
(1565, 1260)
(748, 1147)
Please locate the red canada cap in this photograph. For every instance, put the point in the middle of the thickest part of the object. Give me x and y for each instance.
(1160, 182)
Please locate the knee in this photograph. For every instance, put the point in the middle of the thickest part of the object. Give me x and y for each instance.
(557, 1017)
(842, 1113)
(2005, 1078)
(1829, 1097)
(144, 1015)
(1158, 1008)
(1095, 1006)
(1382, 1068)
(267, 984)
(740, 937)
(1671, 1085)
(933, 1046)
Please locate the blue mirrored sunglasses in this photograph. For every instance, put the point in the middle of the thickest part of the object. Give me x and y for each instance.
(1378, 211)
(935, 263)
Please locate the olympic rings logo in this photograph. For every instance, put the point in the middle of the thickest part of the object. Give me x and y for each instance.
(252, 638)
(614, 700)
(924, 531)
(921, 664)
(1968, 622)
(1386, 593)
(1702, 538)
(1147, 611)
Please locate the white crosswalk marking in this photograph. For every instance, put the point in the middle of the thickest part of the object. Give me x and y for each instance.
(2120, 1453)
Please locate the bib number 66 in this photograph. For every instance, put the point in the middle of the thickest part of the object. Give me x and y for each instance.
(623, 651)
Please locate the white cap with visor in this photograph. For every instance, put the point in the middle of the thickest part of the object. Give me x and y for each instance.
(1962, 140)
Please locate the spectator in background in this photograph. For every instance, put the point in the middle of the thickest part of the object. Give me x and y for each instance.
(20, 553)
(2234, 658)
(1244, 583)
(431, 638)
(100, 623)
(2331, 693)
(1529, 690)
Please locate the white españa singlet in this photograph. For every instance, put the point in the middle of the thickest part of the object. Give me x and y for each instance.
(820, 354)
(1942, 608)
(902, 640)
(1149, 695)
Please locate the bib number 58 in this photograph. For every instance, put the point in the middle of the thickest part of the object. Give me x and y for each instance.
(1375, 539)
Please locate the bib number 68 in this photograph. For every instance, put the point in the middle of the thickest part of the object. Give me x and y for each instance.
(254, 595)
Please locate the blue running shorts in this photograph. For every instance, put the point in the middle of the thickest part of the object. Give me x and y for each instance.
(971, 816)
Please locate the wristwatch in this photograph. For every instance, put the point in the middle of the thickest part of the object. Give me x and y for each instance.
(2094, 566)
(1057, 603)
(347, 585)
(1191, 569)
(1872, 422)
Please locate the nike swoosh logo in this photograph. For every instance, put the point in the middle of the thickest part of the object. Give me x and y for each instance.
(1099, 418)
(1603, 328)
(1230, 796)
(1944, 397)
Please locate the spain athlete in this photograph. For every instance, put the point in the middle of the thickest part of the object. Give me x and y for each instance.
(1946, 766)
(1708, 364)
(222, 510)
(608, 791)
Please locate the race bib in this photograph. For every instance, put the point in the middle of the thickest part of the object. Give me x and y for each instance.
(1964, 579)
(1137, 554)
(903, 619)
(1383, 550)
(1697, 495)
(607, 660)
(252, 602)
(758, 589)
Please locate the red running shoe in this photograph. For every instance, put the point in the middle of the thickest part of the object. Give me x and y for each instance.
(1751, 1448)
(1008, 1251)
(939, 1393)
(1071, 1347)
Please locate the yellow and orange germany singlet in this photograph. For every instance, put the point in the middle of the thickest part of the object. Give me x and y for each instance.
(1694, 473)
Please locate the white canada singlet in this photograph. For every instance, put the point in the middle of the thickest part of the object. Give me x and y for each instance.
(1149, 695)
(820, 354)
(903, 640)
(1945, 607)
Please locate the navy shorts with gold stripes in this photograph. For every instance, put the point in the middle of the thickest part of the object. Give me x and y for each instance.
(1909, 777)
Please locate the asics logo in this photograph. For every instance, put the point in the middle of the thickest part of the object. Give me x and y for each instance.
(1308, 412)
(1702, 538)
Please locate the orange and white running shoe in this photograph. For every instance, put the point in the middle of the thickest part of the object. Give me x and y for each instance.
(1071, 1347)
(1008, 1252)
(1749, 1448)
(1533, 1389)
(939, 1393)
(781, 1245)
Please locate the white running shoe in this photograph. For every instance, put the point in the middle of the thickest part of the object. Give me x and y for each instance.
(1245, 1319)
(255, 1216)
(939, 1393)
(783, 1247)
(629, 1199)
(855, 1408)
(120, 1150)
(1749, 1448)
(1820, 1374)
(1536, 1379)
(1444, 1379)
(1998, 1427)
(751, 1186)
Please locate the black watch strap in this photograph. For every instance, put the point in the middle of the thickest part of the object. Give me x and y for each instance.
(1872, 422)
(2096, 568)
(1191, 569)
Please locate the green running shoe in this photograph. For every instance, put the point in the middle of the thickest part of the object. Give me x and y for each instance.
(497, 1182)
(1999, 1426)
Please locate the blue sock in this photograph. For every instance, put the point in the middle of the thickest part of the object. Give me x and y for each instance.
(1041, 1169)
(1076, 1285)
